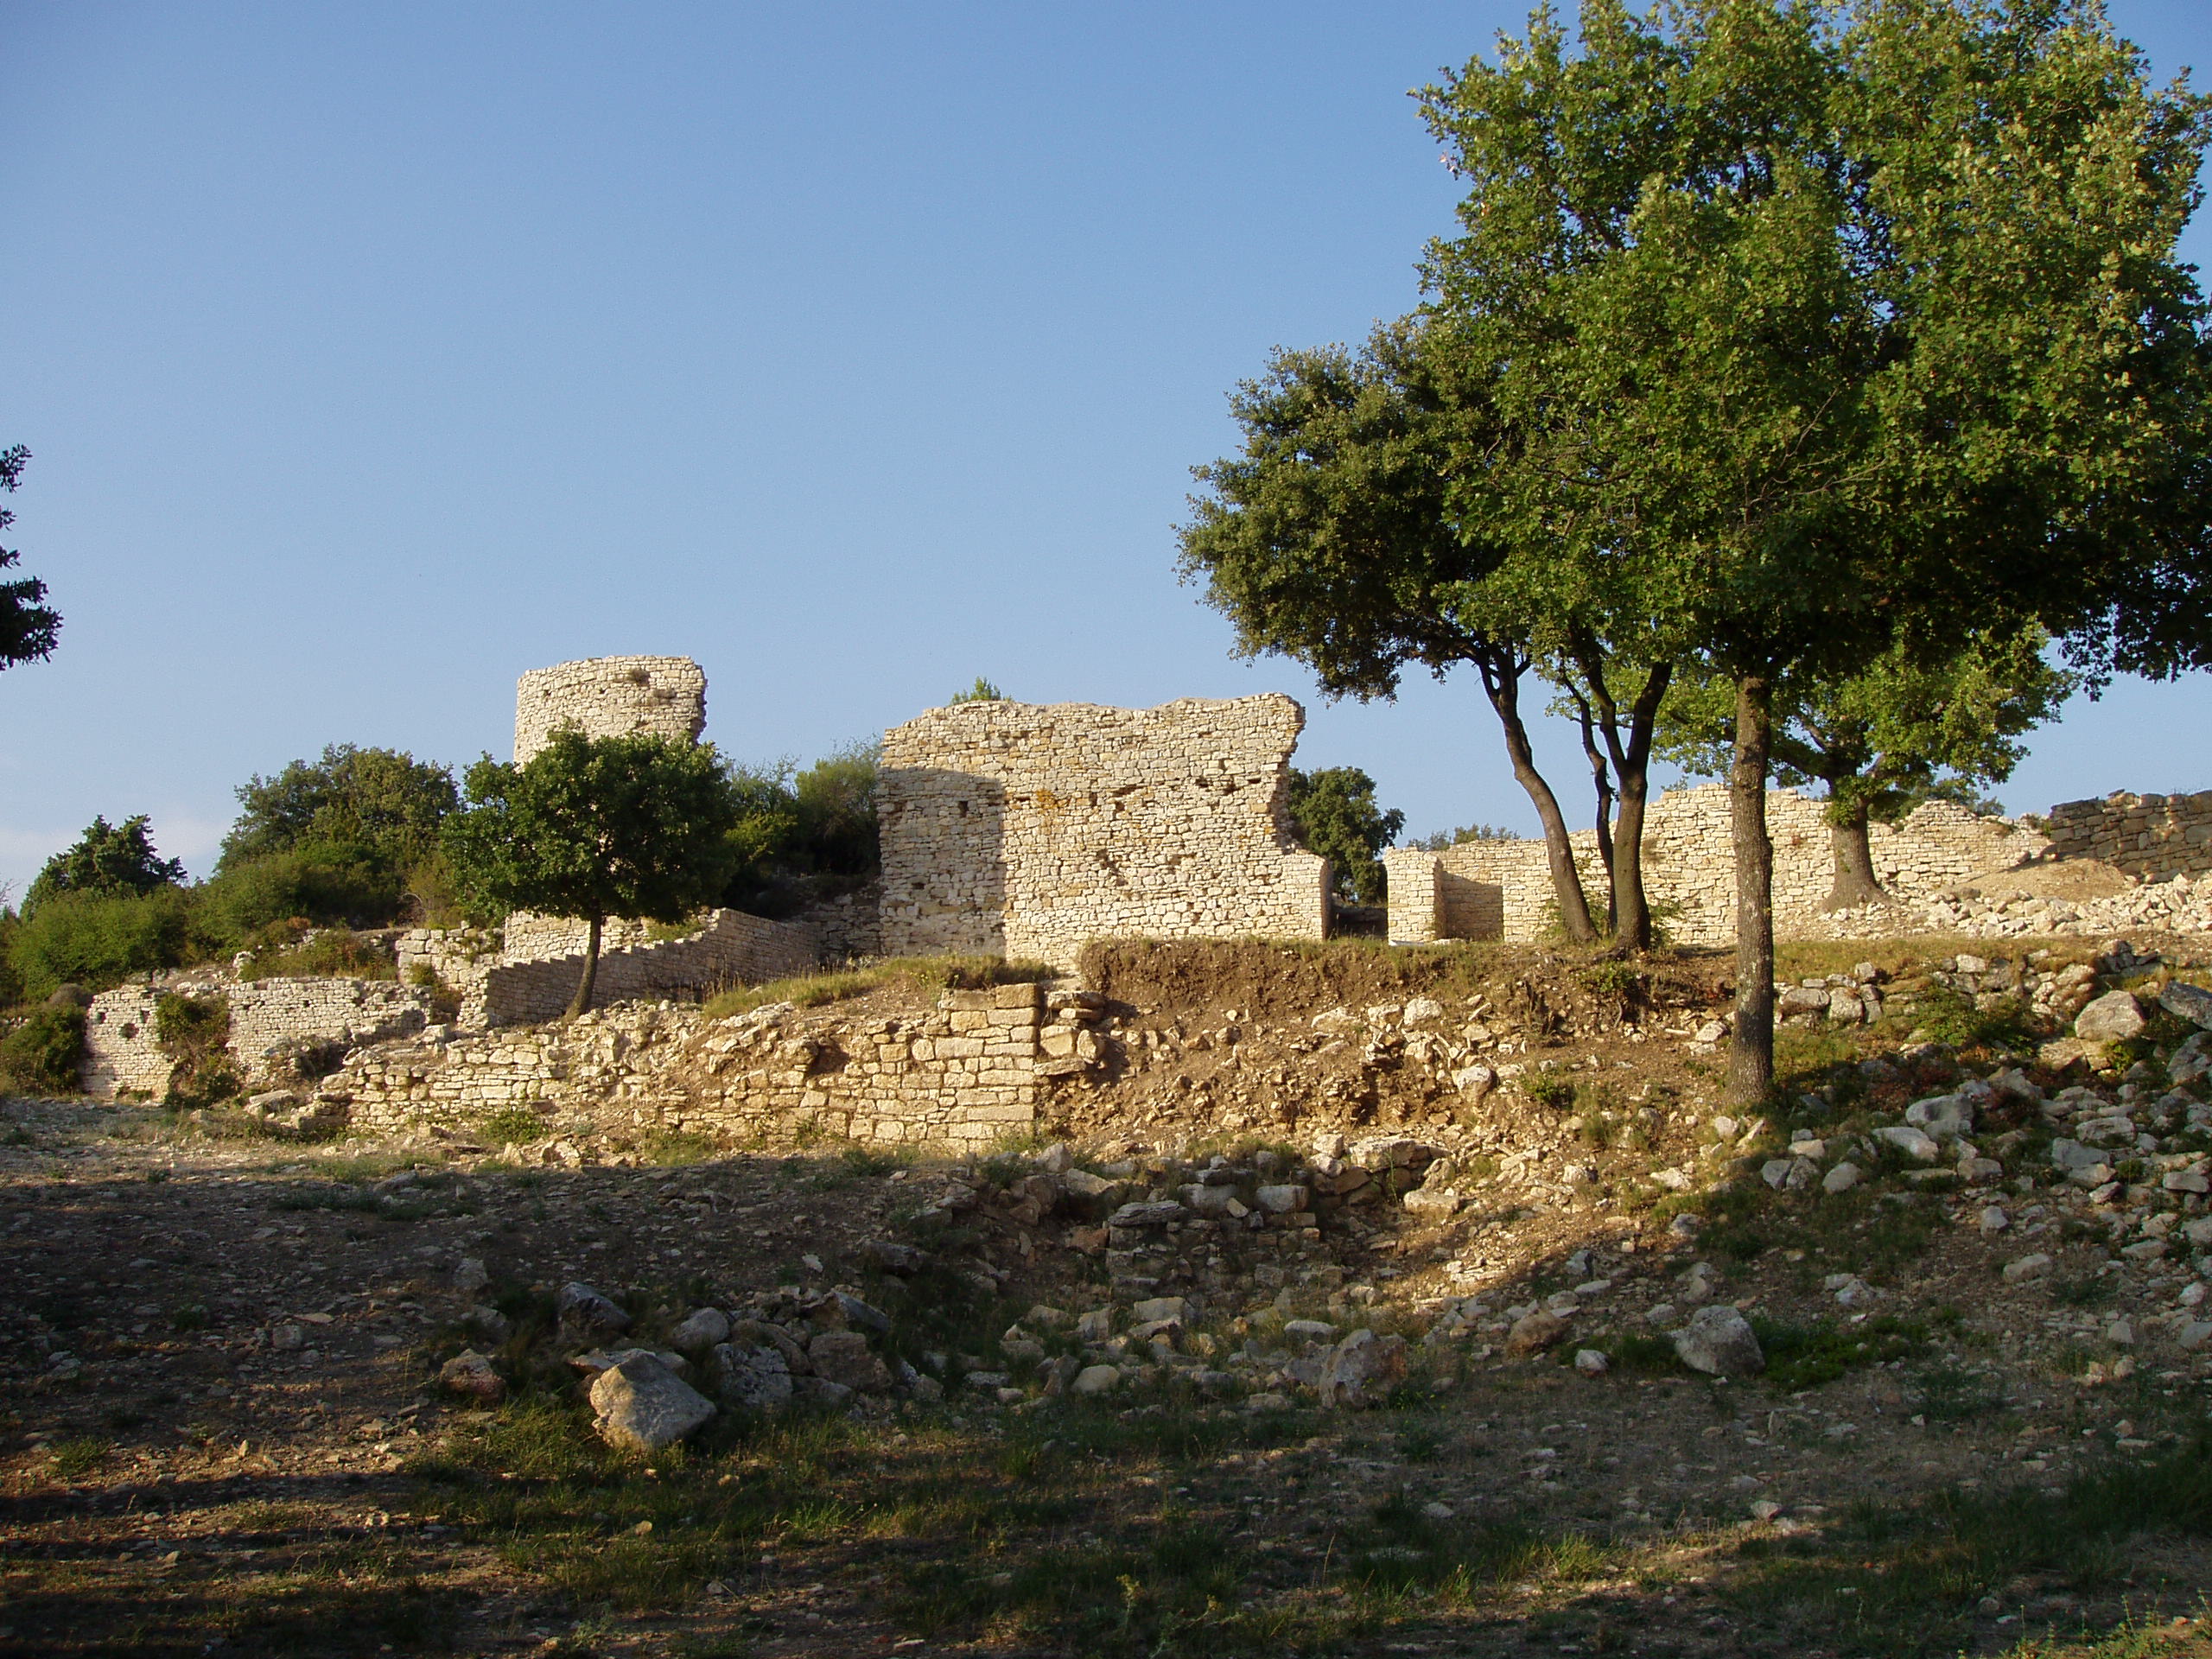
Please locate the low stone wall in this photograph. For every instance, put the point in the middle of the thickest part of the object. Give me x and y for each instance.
(966, 1073)
(731, 949)
(610, 696)
(1027, 830)
(2154, 836)
(1501, 889)
(266, 1015)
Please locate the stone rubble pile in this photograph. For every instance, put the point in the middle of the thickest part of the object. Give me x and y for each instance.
(2182, 904)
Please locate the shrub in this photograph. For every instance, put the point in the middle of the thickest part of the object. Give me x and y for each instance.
(332, 953)
(98, 942)
(332, 885)
(40, 1056)
(194, 1031)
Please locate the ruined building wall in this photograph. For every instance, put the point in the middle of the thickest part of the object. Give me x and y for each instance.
(1027, 830)
(731, 949)
(610, 696)
(1501, 889)
(266, 1015)
(2156, 836)
(967, 1073)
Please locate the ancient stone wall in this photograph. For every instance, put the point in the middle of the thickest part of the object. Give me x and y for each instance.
(1501, 889)
(967, 1073)
(610, 696)
(2154, 836)
(730, 949)
(266, 1016)
(1027, 830)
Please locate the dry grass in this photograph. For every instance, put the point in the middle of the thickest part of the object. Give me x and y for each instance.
(916, 975)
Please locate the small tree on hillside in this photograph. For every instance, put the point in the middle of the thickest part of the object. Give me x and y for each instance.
(28, 629)
(1337, 816)
(590, 827)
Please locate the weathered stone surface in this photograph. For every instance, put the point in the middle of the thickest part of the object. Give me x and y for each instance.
(1533, 1332)
(2114, 1017)
(2190, 1002)
(470, 1374)
(891, 1256)
(588, 1314)
(1718, 1340)
(1944, 1116)
(1841, 1179)
(1028, 831)
(643, 1406)
(2024, 1268)
(1094, 1380)
(757, 1378)
(1282, 1199)
(844, 1356)
(1915, 1143)
(1363, 1369)
(699, 1333)
(1158, 1213)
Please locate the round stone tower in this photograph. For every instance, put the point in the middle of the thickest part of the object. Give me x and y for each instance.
(610, 696)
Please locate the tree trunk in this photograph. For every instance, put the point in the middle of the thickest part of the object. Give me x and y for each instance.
(1601, 780)
(1751, 1056)
(582, 1001)
(1855, 882)
(1502, 682)
(1632, 772)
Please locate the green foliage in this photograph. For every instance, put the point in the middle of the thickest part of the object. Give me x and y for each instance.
(96, 942)
(1807, 1356)
(328, 884)
(40, 1056)
(336, 953)
(109, 861)
(1336, 816)
(1951, 1016)
(590, 827)
(805, 835)
(982, 691)
(382, 804)
(1444, 840)
(194, 1033)
(28, 629)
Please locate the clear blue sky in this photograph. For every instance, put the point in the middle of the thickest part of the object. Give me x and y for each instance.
(371, 355)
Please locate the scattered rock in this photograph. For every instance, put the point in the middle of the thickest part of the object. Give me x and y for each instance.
(843, 1356)
(2022, 1269)
(643, 1406)
(1533, 1332)
(888, 1256)
(470, 1374)
(589, 1315)
(1718, 1340)
(1915, 1143)
(1841, 1179)
(757, 1378)
(1363, 1369)
(1096, 1380)
(2190, 1002)
(1591, 1362)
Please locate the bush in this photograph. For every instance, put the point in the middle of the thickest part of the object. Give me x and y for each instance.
(40, 1056)
(98, 942)
(195, 1033)
(330, 886)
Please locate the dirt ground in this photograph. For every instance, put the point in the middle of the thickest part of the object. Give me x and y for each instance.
(224, 1432)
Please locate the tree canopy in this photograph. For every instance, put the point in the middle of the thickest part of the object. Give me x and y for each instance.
(29, 629)
(1337, 816)
(108, 861)
(384, 802)
(637, 826)
(1813, 333)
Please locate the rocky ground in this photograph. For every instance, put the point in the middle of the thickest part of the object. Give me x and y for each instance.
(1346, 1315)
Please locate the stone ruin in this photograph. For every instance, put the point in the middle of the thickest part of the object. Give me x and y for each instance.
(1027, 830)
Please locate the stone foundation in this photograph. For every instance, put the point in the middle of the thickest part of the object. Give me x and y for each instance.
(966, 1073)
(1025, 831)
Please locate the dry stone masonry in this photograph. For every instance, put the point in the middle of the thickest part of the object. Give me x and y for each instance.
(1501, 889)
(267, 1017)
(610, 696)
(967, 1073)
(2155, 835)
(1027, 830)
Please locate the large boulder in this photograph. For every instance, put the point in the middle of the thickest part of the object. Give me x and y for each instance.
(1718, 1341)
(645, 1406)
(843, 1358)
(2190, 1002)
(2113, 1017)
